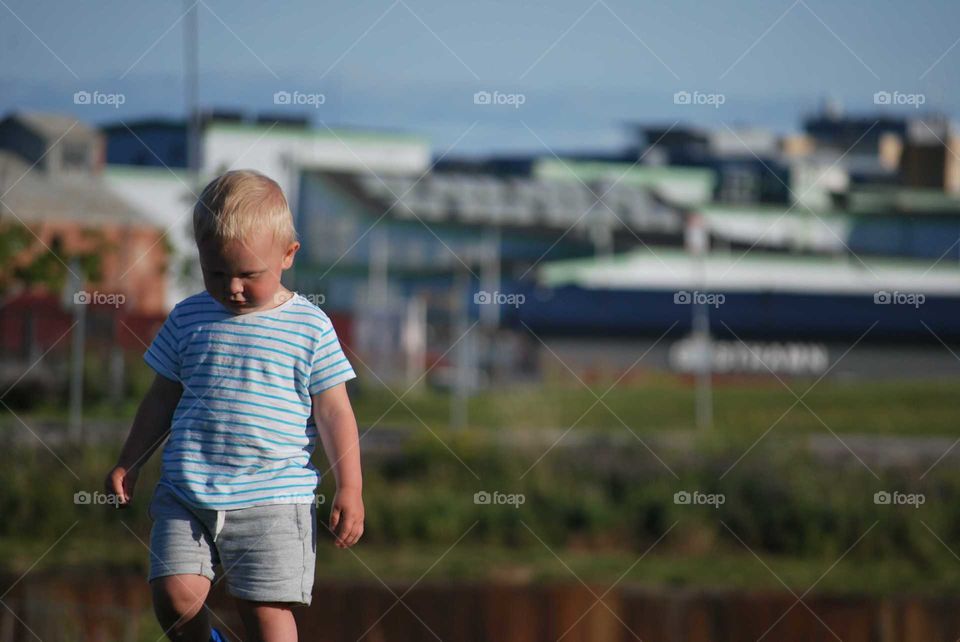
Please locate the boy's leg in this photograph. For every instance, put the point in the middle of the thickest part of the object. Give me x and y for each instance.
(182, 561)
(267, 621)
(178, 601)
(269, 556)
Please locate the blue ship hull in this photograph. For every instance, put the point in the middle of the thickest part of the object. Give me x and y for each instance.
(572, 310)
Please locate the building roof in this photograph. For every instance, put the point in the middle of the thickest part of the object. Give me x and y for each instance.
(892, 199)
(670, 269)
(158, 122)
(515, 201)
(286, 129)
(262, 125)
(33, 196)
(53, 126)
(678, 184)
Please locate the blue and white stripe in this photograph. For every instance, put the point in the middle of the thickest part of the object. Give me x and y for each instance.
(243, 432)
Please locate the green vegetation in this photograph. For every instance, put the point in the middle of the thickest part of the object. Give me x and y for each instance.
(655, 406)
(885, 408)
(24, 264)
(598, 500)
(598, 508)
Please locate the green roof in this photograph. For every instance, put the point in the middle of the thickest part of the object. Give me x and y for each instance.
(561, 270)
(313, 132)
(894, 199)
(767, 209)
(640, 175)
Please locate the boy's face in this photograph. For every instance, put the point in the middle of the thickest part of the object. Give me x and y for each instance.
(245, 275)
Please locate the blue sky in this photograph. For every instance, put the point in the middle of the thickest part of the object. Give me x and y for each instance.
(583, 68)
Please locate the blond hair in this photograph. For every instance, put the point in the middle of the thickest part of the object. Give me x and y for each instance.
(240, 204)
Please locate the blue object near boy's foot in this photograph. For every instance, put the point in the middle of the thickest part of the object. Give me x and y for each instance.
(216, 636)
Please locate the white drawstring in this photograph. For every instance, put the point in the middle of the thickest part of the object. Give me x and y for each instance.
(220, 517)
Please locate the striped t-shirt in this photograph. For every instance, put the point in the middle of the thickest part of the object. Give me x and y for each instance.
(243, 432)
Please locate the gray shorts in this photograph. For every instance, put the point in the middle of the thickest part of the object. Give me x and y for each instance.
(265, 553)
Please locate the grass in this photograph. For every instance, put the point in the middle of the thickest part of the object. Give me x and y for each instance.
(742, 411)
(799, 515)
(654, 405)
(403, 564)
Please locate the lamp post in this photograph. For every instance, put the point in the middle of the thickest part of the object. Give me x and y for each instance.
(697, 242)
(76, 300)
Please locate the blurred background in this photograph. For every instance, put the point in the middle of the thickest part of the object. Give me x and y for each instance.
(655, 307)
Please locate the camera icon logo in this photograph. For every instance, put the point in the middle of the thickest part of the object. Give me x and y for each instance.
(882, 297)
(481, 497)
(81, 298)
(681, 497)
(881, 497)
(682, 297)
(881, 98)
(482, 297)
(81, 98)
(81, 497)
(682, 98)
(482, 98)
(281, 98)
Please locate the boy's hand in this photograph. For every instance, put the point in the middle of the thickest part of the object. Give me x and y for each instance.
(346, 517)
(121, 482)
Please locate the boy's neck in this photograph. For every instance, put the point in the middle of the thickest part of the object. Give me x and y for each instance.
(281, 296)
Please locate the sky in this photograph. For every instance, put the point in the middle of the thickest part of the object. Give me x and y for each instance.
(563, 76)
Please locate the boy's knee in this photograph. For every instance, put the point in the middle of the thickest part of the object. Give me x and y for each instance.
(178, 599)
(268, 620)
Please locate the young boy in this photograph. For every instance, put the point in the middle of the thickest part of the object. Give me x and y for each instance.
(247, 375)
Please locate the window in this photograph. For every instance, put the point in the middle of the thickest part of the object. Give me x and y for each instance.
(75, 156)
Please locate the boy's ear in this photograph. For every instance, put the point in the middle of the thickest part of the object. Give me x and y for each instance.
(290, 253)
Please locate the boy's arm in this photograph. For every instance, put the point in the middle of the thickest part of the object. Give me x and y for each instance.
(149, 429)
(338, 431)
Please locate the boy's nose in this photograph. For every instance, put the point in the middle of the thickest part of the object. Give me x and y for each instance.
(236, 286)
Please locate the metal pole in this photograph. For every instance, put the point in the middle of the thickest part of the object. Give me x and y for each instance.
(378, 277)
(701, 333)
(77, 341)
(490, 313)
(463, 367)
(697, 242)
(191, 85)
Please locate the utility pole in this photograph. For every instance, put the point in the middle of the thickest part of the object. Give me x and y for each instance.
(191, 90)
(697, 240)
(490, 275)
(77, 348)
(463, 354)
